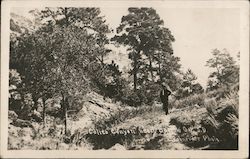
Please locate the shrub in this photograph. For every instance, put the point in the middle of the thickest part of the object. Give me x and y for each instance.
(134, 98)
(223, 122)
(188, 126)
(196, 99)
(218, 117)
(210, 103)
(15, 99)
(150, 90)
(223, 92)
(12, 116)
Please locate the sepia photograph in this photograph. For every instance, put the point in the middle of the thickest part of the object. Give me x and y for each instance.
(125, 75)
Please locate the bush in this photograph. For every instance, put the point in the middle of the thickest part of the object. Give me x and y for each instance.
(218, 117)
(134, 98)
(210, 103)
(23, 106)
(107, 80)
(223, 122)
(188, 126)
(15, 99)
(151, 92)
(196, 99)
(223, 91)
(12, 116)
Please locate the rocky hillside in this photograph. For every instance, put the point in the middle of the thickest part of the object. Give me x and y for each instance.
(20, 24)
(33, 135)
(86, 127)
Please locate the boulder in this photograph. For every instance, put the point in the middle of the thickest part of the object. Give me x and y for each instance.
(118, 147)
(22, 123)
(12, 116)
(36, 116)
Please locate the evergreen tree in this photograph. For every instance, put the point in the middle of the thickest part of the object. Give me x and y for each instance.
(54, 60)
(189, 85)
(226, 71)
(147, 40)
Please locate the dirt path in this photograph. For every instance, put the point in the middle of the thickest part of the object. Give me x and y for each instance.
(171, 135)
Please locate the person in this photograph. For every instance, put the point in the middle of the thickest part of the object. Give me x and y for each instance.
(165, 92)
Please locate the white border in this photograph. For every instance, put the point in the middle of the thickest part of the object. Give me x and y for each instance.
(244, 83)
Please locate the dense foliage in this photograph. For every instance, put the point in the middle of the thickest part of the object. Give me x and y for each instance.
(53, 61)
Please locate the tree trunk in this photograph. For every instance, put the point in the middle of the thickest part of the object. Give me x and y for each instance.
(135, 73)
(66, 16)
(65, 119)
(159, 68)
(151, 68)
(35, 99)
(135, 81)
(160, 72)
(44, 112)
(65, 109)
(35, 104)
(102, 59)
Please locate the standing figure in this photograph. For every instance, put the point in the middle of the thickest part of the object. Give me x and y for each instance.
(165, 92)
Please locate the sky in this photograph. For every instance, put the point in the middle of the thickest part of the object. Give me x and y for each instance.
(197, 32)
